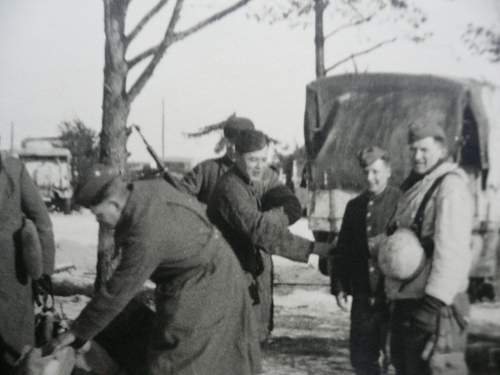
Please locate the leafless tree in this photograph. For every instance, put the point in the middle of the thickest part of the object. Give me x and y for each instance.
(483, 41)
(341, 15)
(119, 94)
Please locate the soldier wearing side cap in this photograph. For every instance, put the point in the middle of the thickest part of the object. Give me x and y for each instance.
(201, 180)
(19, 201)
(429, 309)
(204, 321)
(253, 233)
(355, 270)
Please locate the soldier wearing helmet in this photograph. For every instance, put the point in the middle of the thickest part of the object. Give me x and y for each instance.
(204, 319)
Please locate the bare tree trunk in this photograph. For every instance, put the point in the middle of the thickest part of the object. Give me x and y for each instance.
(117, 99)
(319, 38)
(115, 111)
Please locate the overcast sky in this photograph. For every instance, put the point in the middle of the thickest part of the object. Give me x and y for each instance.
(52, 59)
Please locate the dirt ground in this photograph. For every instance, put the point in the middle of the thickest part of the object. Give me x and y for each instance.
(311, 333)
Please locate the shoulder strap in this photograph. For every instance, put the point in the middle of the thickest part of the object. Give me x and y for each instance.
(419, 217)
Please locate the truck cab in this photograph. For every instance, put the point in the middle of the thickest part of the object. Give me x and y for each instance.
(49, 166)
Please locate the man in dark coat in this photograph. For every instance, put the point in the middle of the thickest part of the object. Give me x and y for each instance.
(254, 234)
(19, 199)
(354, 262)
(204, 323)
(201, 180)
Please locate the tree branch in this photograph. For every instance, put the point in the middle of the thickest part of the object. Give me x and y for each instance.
(137, 29)
(360, 53)
(213, 18)
(349, 25)
(162, 47)
(141, 56)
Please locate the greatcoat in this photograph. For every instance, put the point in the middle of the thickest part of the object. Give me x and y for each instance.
(235, 208)
(19, 198)
(204, 323)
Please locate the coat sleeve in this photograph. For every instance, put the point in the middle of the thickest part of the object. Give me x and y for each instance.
(139, 260)
(341, 275)
(268, 230)
(34, 208)
(452, 255)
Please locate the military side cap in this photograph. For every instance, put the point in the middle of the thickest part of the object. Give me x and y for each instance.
(236, 124)
(370, 154)
(421, 130)
(94, 183)
(250, 140)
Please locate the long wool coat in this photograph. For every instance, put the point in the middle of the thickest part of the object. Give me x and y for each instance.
(204, 320)
(19, 197)
(235, 209)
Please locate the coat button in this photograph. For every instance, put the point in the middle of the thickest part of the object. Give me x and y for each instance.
(368, 214)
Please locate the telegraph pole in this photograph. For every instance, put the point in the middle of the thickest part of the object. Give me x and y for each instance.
(163, 130)
(11, 138)
(319, 38)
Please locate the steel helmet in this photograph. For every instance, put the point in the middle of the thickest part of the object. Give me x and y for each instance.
(401, 256)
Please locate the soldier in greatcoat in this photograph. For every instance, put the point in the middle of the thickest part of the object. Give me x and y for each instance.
(430, 308)
(355, 270)
(204, 322)
(254, 234)
(19, 199)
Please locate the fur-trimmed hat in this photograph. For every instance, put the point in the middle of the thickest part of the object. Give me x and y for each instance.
(235, 124)
(250, 140)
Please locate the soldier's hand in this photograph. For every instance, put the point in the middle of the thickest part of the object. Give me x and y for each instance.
(342, 301)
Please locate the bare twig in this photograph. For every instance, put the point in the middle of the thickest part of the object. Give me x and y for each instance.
(162, 47)
(137, 29)
(215, 17)
(141, 56)
(360, 53)
(169, 38)
(349, 25)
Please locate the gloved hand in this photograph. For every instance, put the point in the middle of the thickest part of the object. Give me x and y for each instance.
(426, 315)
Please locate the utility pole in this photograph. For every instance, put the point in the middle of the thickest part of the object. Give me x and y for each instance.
(11, 138)
(319, 38)
(163, 130)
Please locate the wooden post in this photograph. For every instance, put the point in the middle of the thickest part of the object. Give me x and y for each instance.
(319, 38)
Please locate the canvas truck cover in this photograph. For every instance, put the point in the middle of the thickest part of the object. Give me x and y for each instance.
(349, 112)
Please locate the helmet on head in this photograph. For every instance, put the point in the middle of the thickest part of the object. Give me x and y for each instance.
(93, 184)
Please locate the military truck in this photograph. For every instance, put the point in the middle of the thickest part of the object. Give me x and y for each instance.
(49, 166)
(346, 113)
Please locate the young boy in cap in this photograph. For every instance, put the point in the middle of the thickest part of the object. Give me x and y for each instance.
(429, 308)
(355, 270)
(235, 208)
(204, 323)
